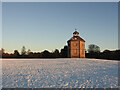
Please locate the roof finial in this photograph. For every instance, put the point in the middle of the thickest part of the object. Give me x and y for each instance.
(75, 29)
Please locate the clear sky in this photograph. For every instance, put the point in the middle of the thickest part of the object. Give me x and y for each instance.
(48, 25)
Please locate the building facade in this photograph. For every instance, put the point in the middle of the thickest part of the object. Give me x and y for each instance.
(76, 46)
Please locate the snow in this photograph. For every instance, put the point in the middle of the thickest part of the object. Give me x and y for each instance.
(59, 73)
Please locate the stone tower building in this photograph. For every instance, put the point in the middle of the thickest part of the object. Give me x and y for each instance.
(76, 46)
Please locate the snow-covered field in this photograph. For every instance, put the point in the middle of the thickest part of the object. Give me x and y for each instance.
(59, 73)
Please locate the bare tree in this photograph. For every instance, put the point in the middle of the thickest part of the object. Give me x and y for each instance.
(23, 51)
(16, 53)
(56, 53)
(28, 52)
(93, 48)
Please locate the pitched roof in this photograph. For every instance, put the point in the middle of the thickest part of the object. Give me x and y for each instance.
(76, 32)
(74, 38)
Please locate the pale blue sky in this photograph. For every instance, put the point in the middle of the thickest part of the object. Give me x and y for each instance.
(40, 26)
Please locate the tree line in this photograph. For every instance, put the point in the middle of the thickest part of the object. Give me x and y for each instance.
(30, 54)
(93, 51)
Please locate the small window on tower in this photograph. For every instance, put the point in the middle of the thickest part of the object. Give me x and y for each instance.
(82, 52)
(74, 44)
(74, 51)
(82, 45)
